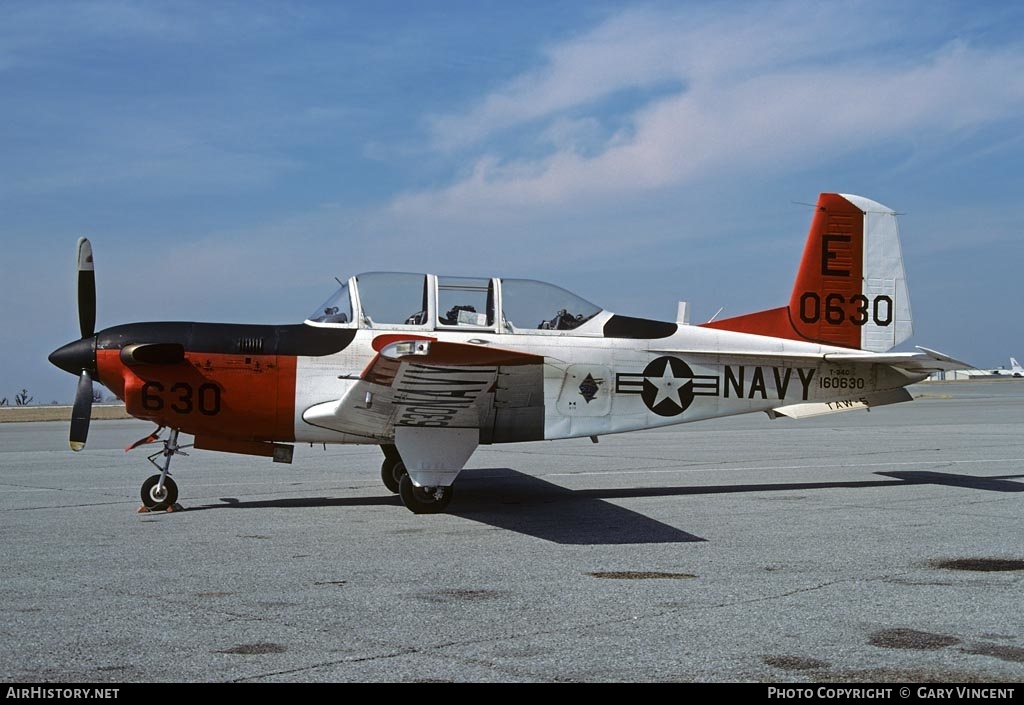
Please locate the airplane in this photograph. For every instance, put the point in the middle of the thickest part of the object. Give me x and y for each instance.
(430, 367)
(1015, 370)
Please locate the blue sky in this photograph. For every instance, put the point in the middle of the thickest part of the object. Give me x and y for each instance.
(228, 160)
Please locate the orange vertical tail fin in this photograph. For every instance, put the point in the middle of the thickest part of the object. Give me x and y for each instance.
(850, 290)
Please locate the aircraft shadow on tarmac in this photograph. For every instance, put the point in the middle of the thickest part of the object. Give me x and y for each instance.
(507, 499)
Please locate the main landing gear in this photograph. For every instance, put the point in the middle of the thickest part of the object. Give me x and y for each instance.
(423, 500)
(393, 469)
(418, 500)
(160, 492)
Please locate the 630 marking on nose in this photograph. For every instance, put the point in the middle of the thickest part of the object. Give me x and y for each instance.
(182, 398)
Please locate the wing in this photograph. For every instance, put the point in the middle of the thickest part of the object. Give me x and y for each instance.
(421, 382)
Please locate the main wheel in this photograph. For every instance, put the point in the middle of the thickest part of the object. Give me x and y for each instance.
(391, 473)
(423, 500)
(154, 500)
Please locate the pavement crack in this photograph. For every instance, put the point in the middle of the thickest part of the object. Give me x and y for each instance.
(326, 664)
(797, 591)
(76, 505)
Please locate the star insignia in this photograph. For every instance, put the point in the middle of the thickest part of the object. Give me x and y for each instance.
(668, 386)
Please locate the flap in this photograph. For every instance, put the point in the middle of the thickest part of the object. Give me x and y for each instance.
(420, 382)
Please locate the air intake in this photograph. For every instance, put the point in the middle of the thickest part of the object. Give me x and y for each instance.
(251, 346)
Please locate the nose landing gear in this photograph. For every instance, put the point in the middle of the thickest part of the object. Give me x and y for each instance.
(160, 492)
(156, 497)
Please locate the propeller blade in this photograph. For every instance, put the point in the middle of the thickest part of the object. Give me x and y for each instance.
(81, 413)
(86, 289)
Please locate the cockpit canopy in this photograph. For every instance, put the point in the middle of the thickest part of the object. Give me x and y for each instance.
(398, 299)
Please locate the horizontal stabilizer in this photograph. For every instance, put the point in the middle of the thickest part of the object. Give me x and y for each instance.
(924, 361)
(798, 357)
(921, 362)
(868, 401)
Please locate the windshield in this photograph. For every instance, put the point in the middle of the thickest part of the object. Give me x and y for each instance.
(529, 304)
(337, 309)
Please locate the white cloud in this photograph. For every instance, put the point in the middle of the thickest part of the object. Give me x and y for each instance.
(628, 51)
(762, 91)
(644, 49)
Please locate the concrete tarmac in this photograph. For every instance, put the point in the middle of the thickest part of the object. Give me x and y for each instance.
(738, 549)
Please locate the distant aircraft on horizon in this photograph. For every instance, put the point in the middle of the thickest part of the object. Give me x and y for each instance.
(1015, 370)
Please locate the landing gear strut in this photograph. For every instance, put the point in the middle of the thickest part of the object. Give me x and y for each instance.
(160, 491)
(423, 500)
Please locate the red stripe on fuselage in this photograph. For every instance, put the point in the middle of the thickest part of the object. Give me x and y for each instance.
(243, 397)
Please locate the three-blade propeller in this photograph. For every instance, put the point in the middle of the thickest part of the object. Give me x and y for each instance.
(81, 413)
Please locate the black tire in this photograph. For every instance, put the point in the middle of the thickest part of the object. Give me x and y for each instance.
(391, 473)
(155, 502)
(423, 500)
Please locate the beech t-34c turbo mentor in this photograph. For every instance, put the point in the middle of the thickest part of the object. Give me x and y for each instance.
(429, 367)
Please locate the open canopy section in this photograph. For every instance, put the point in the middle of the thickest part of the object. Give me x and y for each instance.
(426, 301)
(530, 304)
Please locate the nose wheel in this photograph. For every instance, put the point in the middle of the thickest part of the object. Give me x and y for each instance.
(156, 498)
(160, 492)
(423, 500)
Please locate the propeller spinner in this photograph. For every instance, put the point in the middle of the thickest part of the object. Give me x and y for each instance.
(79, 357)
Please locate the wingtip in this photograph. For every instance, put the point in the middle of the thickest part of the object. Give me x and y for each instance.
(942, 357)
(77, 446)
